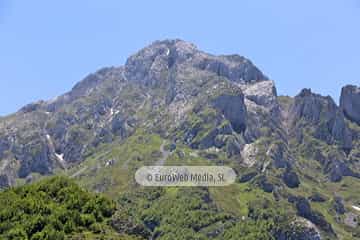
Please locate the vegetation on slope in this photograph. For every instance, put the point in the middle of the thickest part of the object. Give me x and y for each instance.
(54, 208)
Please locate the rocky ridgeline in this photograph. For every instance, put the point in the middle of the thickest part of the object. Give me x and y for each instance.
(214, 105)
(205, 101)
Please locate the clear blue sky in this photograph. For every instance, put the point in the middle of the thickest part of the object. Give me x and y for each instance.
(48, 46)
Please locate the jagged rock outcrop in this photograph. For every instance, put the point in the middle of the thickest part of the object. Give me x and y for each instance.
(263, 109)
(279, 153)
(151, 63)
(350, 102)
(318, 117)
(262, 93)
(231, 105)
(170, 75)
(304, 210)
(221, 109)
(32, 107)
(44, 133)
(209, 140)
(233, 67)
(323, 115)
(105, 78)
(336, 167)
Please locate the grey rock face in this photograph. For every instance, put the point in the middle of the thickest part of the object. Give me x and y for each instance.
(212, 138)
(233, 108)
(211, 101)
(222, 107)
(88, 86)
(94, 80)
(32, 107)
(313, 107)
(335, 165)
(151, 65)
(350, 102)
(43, 134)
(74, 147)
(4, 181)
(278, 152)
(233, 67)
(34, 157)
(262, 93)
(323, 114)
(4, 146)
(233, 147)
(120, 127)
(337, 169)
(230, 142)
(99, 108)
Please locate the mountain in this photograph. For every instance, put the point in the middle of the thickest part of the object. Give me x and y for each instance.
(173, 104)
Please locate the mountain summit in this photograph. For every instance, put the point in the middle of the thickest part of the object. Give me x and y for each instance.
(172, 103)
(170, 74)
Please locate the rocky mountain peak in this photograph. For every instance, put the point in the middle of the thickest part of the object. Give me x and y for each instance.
(172, 88)
(95, 79)
(174, 104)
(321, 112)
(311, 106)
(151, 62)
(154, 62)
(350, 102)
